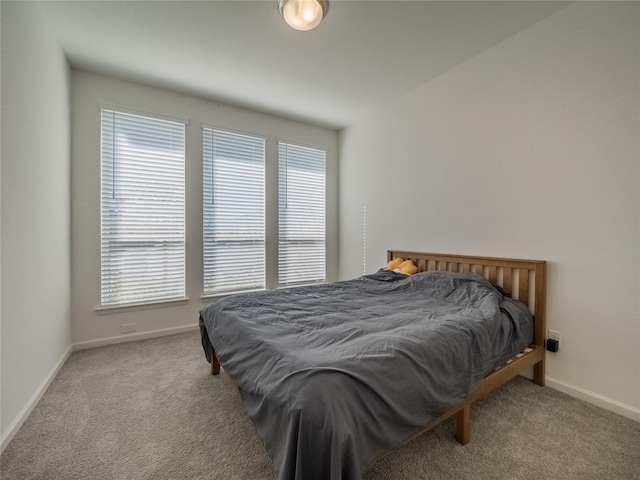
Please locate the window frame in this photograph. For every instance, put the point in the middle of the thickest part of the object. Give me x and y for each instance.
(208, 176)
(109, 159)
(319, 240)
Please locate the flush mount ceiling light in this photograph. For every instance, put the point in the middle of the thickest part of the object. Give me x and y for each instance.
(302, 14)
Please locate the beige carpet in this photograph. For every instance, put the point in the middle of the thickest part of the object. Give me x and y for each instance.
(150, 410)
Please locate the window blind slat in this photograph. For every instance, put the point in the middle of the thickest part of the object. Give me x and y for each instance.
(233, 211)
(302, 204)
(142, 209)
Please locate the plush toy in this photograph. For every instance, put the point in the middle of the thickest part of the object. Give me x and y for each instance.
(408, 267)
(395, 263)
(400, 265)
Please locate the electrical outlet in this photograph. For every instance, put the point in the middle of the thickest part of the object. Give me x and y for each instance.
(553, 335)
(128, 327)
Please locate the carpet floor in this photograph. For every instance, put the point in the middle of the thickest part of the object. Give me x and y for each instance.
(151, 410)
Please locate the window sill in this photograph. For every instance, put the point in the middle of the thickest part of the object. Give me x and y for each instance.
(130, 307)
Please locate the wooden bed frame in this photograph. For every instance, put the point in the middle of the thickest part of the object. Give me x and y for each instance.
(525, 279)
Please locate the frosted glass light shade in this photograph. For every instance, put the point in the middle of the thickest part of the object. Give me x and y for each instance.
(301, 14)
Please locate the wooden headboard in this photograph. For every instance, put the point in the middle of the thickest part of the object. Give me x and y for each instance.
(525, 279)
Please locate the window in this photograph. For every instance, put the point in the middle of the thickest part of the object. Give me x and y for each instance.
(233, 211)
(302, 243)
(142, 209)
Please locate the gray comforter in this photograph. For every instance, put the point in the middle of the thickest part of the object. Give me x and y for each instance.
(334, 375)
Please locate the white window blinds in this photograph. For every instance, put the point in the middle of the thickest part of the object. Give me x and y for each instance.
(142, 209)
(302, 244)
(233, 211)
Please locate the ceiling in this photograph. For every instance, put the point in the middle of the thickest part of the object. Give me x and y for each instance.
(363, 55)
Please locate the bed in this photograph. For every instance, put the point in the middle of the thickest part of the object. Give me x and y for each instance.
(335, 376)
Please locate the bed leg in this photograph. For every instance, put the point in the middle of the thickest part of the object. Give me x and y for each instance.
(215, 366)
(464, 425)
(538, 373)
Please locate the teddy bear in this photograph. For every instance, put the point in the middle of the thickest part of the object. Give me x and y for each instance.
(395, 263)
(400, 265)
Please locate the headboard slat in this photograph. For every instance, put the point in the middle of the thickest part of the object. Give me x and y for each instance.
(507, 282)
(523, 286)
(493, 274)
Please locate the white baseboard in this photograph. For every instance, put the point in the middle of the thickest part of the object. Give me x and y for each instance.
(594, 398)
(132, 337)
(33, 401)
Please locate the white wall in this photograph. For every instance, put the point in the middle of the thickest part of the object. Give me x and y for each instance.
(90, 328)
(528, 150)
(35, 252)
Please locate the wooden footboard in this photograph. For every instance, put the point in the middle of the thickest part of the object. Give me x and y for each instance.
(526, 280)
